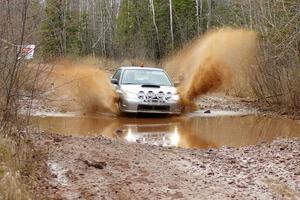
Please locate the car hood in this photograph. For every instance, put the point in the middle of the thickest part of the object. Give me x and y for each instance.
(137, 88)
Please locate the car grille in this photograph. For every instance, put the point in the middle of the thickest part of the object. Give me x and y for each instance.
(153, 108)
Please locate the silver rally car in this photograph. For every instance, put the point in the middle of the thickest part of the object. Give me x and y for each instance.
(146, 90)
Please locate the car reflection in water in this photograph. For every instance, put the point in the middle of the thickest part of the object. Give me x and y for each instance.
(165, 134)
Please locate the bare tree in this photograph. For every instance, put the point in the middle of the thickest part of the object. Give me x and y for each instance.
(154, 23)
(197, 15)
(209, 13)
(11, 66)
(171, 23)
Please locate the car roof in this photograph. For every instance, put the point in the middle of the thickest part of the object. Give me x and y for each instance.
(136, 67)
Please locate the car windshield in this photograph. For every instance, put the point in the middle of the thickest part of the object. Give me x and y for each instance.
(145, 76)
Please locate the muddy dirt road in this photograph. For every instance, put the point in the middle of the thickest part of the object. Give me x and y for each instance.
(106, 157)
(99, 168)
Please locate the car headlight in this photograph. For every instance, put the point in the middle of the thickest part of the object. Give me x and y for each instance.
(150, 95)
(168, 95)
(141, 95)
(160, 95)
(128, 94)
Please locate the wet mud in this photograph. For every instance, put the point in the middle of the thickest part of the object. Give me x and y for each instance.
(100, 168)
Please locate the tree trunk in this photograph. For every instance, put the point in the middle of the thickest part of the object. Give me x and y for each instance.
(197, 15)
(201, 13)
(171, 24)
(64, 31)
(250, 14)
(209, 14)
(155, 26)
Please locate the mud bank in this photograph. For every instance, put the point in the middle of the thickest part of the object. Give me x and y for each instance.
(99, 168)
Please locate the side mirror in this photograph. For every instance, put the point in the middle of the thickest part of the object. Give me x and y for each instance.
(114, 81)
(176, 83)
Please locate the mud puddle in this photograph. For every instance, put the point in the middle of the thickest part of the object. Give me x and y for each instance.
(197, 130)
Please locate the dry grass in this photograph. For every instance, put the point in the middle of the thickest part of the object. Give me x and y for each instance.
(276, 77)
(12, 165)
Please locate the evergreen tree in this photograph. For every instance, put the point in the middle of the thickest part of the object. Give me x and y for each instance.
(60, 30)
(72, 28)
(185, 23)
(134, 30)
(51, 38)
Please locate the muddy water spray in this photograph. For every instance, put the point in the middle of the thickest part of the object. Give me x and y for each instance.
(87, 86)
(211, 62)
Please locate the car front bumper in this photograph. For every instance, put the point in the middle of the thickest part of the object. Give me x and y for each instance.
(138, 106)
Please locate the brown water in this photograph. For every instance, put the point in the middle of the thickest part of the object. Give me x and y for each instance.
(192, 131)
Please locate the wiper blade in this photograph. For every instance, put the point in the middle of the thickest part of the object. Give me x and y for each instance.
(128, 83)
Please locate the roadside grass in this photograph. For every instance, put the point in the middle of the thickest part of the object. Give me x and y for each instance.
(270, 82)
(17, 169)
